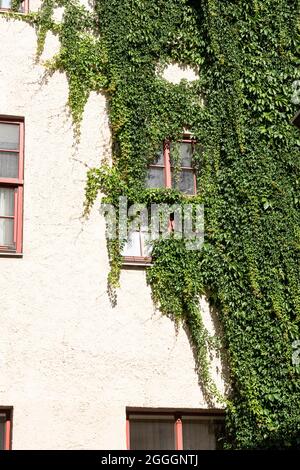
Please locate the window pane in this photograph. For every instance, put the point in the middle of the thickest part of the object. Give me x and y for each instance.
(148, 434)
(155, 178)
(7, 206)
(2, 431)
(8, 4)
(159, 158)
(7, 202)
(185, 182)
(133, 245)
(7, 232)
(186, 152)
(5, 3)
(146, 246)
(9, 136)
(9, 165)
(202, 434)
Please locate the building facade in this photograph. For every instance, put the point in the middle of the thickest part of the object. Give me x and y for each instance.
(76, 372)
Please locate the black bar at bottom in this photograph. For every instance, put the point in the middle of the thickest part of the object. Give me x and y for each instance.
(135, 459)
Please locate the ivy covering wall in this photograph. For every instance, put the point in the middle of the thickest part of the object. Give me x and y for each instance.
(247, 161)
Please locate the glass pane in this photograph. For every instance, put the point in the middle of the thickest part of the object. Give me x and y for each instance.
(202, 434)
(8, 3)
(146, 246)
(9, 136)
(155, 178)
(159, 160)
(152, 435)
(7, 202)
(5, 3)
(2, 432)
(186, 151)
(7, 232)
(186, 181)
(9, 165)
(133, 245)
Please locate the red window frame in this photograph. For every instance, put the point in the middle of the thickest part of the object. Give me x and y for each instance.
(177, 415)
(167, 166)
(16, 184)
(25, 7)
(7, 412)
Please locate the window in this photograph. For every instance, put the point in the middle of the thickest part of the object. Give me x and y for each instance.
(161, 173)
(137, 249)
(11, 184)
(5, 428)
(175, 430)
(7, 5)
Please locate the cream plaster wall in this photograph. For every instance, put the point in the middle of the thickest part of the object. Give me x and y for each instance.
(69, 362)
(174, 73)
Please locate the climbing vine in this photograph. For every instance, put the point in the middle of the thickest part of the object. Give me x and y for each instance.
(247, 55)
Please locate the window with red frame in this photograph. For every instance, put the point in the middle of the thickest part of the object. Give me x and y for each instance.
(5, 428)
(161, 173)
(11, 184)
(175, 430)
(6, 5)
(137, 249)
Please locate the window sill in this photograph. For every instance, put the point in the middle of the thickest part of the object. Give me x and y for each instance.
(11, 11)
(7, 254)
(138, 262)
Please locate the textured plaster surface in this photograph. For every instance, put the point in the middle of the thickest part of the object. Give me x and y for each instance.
(174, 73)
(69, 362)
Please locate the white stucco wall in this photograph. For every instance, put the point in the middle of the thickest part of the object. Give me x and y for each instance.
(174, 73)
(69, 362)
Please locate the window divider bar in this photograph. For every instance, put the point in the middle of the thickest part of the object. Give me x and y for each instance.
(141, 240)
(7, 435)
(127, 434)
(178, 435)
(26, 6)
(21, 153)
(11, 181)
(15, 215)
(19, 219)
(168, 178)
